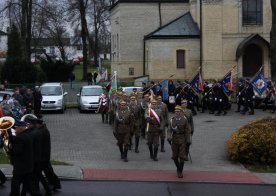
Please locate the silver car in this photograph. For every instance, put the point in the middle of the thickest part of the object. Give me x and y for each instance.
(53, 97)
(88, 98)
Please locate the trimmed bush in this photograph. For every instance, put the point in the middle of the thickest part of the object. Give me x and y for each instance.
(254, 143)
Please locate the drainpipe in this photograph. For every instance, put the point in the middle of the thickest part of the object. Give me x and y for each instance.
(160, 15)
(201, 42)
(144, 57)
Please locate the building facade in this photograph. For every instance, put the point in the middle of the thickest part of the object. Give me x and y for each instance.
(159, 38)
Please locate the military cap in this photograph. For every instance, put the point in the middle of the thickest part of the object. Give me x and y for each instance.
(177, 108)
(183, 101)
(132, 98)
(122, 102)
(146, 95)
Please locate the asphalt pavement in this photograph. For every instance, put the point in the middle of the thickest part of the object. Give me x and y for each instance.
(88, 145)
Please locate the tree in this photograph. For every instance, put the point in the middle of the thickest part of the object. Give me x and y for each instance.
(273, 41)
(15, 69)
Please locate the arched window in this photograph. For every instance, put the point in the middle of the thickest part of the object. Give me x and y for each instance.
(252, 12)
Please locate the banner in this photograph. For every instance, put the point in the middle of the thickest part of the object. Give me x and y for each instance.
(112, 84)
(197, 83)
(259, 83)
(227, 83)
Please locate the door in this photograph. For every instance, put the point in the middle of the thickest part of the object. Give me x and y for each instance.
(252, 60)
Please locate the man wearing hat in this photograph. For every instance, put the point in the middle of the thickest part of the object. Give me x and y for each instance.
(144, 106)
(135, 121)
(165, 114)
(248, 98)
(155, 125)
(189, 116)
(179, 137)
(22, 159)
(122, 129)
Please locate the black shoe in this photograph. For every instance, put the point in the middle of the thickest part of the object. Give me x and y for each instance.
(237, 111)
(217, 114)
(251, 113)
(136, 150)
(224, 113)
(56, 187)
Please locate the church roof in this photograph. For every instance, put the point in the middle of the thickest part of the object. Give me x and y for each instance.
(182, 27)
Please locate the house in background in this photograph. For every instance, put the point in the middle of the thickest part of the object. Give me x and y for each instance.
(3, 44)
(158, 38)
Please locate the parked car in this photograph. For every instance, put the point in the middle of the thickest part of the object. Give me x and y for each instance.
(88, 98)
(2, 93)
(53, 97)
(129, 89)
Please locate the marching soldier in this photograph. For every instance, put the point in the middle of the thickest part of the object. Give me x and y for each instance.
(240, 95)
(165, 114)
(144, 106)
(154, 120)
(122, 129)
(136, 121)
(112, 106)
(189, 116)
(179, 138)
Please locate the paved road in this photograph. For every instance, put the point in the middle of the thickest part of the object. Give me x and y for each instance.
(106, 188)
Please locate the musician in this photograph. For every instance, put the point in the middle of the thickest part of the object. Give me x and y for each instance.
(154, 118)
(135, 121)
(179, 137)
(165, 114)
(22, 159)
(122, 129)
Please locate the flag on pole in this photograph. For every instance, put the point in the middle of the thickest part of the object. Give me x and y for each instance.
(259, 82)
(197, 83)
(112, 85)
(165, 92)
(227, 83)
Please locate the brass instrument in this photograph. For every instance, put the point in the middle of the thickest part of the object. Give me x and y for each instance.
(6, 123)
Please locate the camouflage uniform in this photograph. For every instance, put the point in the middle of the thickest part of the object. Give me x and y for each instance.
(122, 129)
(179, 136)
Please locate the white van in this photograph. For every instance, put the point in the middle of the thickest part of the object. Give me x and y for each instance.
(53, 97)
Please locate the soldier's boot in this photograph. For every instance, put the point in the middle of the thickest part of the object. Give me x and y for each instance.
(155, 154)
(136, 144)
(177, 165)
(125, 155)
(121, 151)
(130, 143)
(180, 169)
(273, 109)
(162, 145)
(186, 158)
(106, 118)
(151, 151)
(102, 118)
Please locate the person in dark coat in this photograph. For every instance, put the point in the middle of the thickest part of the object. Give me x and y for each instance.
(248, 98)
(28, 101)
(89, 78)
(37, 102)
(95, 75)
(22, 159)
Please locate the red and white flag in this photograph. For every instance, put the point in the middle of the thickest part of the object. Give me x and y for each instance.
(155, 117)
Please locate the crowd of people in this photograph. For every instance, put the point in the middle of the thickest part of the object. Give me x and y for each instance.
(26, 142)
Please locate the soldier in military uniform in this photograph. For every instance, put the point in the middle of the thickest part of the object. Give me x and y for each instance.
(144, 106)
(189, 116)
(135, 121)
(179, 137)
(165, 114)
(248, 98)
(112, 106)
(122, 129)
(154, 120)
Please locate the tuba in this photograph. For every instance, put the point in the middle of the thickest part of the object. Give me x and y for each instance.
(6, 123)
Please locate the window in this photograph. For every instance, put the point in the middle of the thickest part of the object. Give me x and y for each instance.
(52, 50)
(131, 71)
(252, 12)
(180, 59)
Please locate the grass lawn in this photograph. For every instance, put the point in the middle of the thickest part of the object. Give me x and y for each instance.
(4, 160)
(262, 168)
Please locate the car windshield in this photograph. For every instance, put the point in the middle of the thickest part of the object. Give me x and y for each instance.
(51, 90)
(130, 90)
(91, 91)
